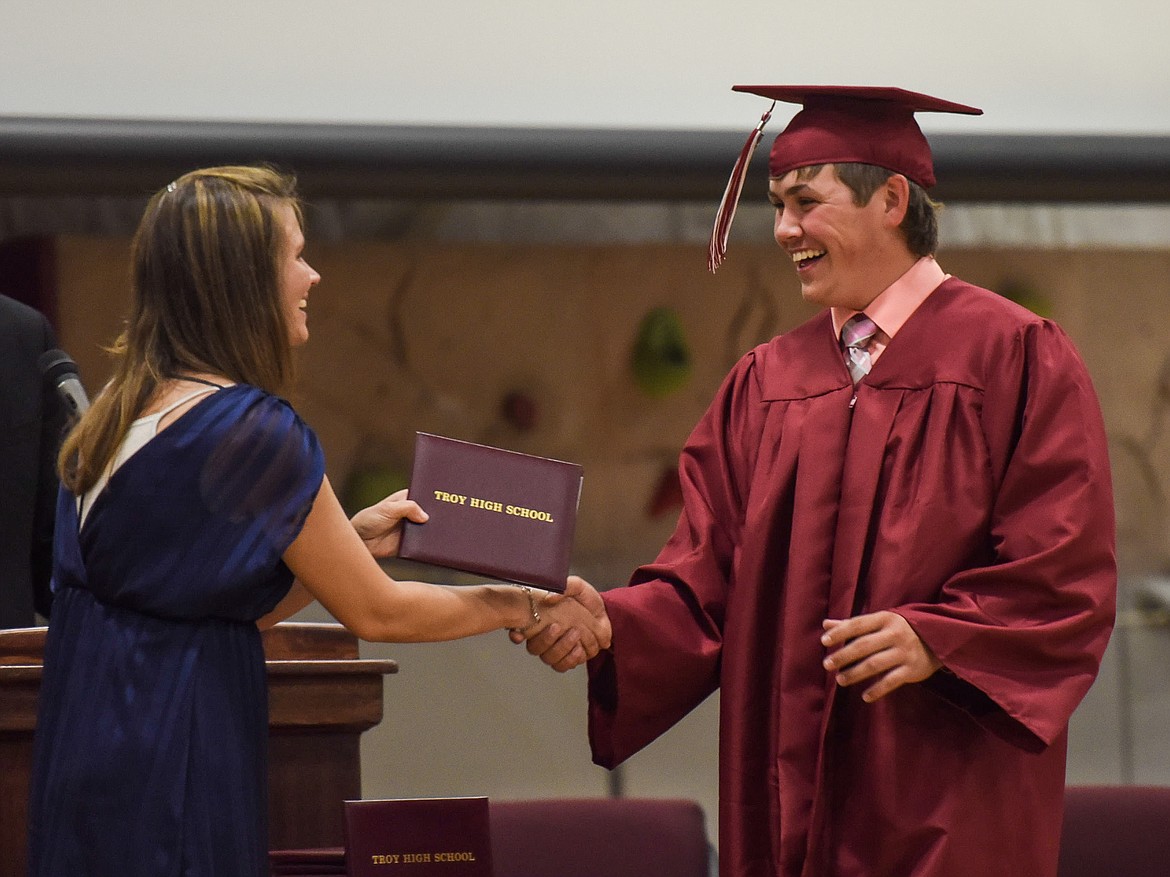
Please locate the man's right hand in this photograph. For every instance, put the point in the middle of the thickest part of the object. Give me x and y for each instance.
(561, 643)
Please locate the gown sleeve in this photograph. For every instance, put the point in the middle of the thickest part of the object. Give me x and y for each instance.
(667, 625)
(1021, 639)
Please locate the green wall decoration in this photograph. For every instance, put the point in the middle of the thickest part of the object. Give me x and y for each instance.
(366, 486)
(661, 359)
(1026, 295)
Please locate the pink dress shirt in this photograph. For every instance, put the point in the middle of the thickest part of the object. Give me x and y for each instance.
(894, 305)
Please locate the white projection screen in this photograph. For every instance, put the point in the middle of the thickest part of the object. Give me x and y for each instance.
(1049, 67)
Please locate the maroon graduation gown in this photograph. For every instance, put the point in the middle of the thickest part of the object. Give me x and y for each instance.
(967, 489)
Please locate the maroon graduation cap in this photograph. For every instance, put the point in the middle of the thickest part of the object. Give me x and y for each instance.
(839, 123)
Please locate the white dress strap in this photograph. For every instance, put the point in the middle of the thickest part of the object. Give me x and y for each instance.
(159, 415)
(139, 433)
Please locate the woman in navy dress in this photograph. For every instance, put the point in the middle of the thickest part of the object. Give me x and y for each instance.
(195, 511)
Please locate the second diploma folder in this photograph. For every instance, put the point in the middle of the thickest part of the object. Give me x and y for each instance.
(493, 512)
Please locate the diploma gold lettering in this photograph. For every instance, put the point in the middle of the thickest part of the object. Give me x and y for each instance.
(455, 857)
(536, 515)
(422, 858)
(489, 505)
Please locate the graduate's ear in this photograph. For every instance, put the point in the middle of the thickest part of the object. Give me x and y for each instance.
(895, 193)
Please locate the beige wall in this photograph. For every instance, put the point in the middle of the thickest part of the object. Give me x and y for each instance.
(431, 336)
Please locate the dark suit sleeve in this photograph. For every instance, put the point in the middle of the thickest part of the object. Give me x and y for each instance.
(31, 427)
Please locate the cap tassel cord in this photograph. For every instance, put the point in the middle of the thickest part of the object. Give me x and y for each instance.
(717, 248)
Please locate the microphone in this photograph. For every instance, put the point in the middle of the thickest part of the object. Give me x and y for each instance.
(60, 371)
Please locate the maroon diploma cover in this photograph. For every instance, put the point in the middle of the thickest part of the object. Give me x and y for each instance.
(495, 513)
(422, 837)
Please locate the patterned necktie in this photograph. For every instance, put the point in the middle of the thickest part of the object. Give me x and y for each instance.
(856, 334)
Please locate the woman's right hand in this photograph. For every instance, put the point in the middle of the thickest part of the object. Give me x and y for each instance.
(380, 525)
(334, 558)
(577, 627)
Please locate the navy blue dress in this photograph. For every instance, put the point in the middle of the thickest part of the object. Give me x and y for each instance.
(152, 736)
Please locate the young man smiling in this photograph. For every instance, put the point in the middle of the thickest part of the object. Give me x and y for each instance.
(896, 552)
(835, 223)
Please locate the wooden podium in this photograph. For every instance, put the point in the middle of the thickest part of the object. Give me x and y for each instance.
(321, 697)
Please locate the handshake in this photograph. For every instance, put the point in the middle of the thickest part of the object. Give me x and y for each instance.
(573, 627)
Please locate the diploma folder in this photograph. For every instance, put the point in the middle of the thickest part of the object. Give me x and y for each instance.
(422, 837)
(493, 512)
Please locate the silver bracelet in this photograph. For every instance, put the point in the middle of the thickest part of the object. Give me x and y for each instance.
(531, 606)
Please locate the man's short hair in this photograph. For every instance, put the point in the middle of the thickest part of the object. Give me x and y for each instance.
(920, 225)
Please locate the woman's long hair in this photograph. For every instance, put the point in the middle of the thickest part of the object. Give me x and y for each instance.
(205, 297)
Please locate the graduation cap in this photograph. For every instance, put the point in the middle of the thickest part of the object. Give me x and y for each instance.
(839, 123)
